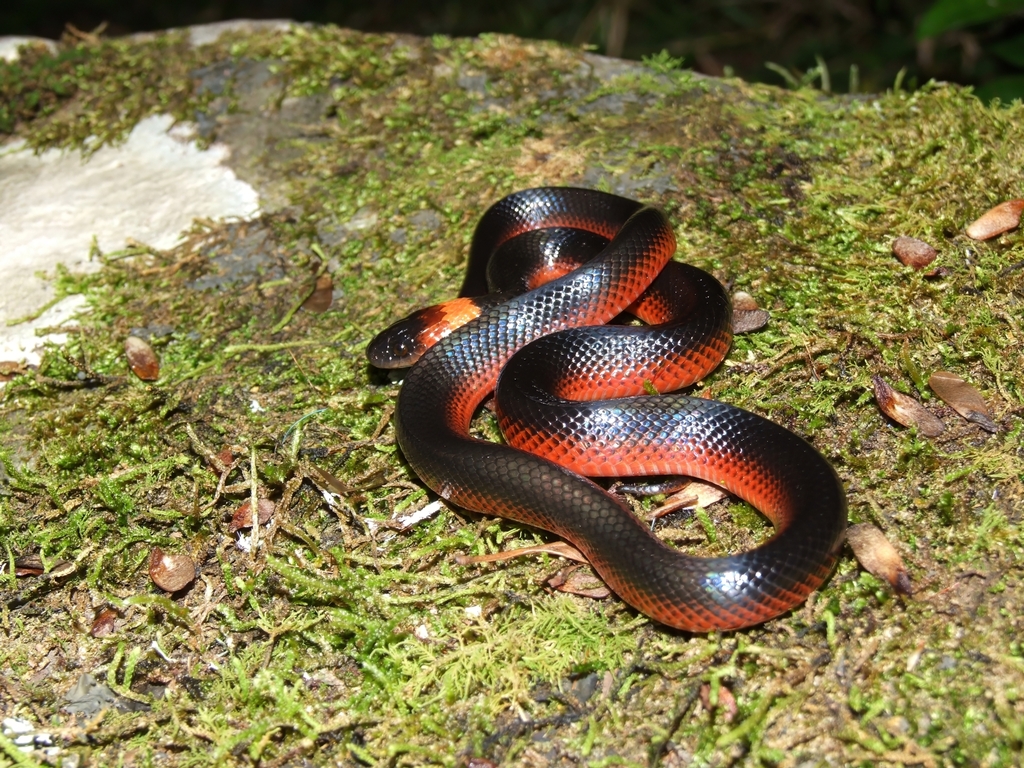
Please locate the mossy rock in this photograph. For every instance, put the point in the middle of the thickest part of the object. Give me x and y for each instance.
(337, 638)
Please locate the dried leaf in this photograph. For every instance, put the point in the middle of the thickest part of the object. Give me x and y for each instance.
(62, 568)
(913, 252)
(368, 482)
(878, 556)
(141, 358)
(11, 368)
(332, 483)
(746, 315)
(105, 623)
(963, 398)
(320, 299)
(88, 696)
(225, 458)
(726, 704)
(243, 515)
(747, 320)
(557, 548)
(995, 221)
(578, 581)
(905, 410)
(30, 565)
(695, 494)
(171, 572)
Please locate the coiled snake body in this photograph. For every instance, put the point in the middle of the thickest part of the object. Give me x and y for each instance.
(571, 402)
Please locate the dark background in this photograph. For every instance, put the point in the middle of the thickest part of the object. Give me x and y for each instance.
(754, 39)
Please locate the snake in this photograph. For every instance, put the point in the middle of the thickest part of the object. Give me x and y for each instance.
(579, 396)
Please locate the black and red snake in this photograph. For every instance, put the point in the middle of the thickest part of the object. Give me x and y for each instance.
(572, 401)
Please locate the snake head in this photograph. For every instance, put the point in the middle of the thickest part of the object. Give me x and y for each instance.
(399, 345)
(404, 343)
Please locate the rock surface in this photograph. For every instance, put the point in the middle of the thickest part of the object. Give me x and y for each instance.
(55, 205)
(345, 630)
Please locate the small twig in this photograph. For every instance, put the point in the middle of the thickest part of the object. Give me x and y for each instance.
(254, 502)
(388, 412)
(305, 377)
(36, 314)
(298, 304)
(683, 705)
(237, 349)
(810, 362)
(214, 460)
(93, 37)
(1012, 268)
(200, 447)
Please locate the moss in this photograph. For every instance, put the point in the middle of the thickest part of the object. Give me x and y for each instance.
(91, 93)
(343, 639)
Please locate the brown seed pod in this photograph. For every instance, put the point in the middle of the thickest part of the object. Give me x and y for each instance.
(996, 220)
(743, 300)
(171, 572)
(963, 398)
(141, 359)
(319, 300)
(746, 315)
(575, 580)
(218, 462)
(747, 320)
(30, 565)
(905, 410)
(105, 623)
(878, 556)
(243, 515)
(913, 252)
(726, 707)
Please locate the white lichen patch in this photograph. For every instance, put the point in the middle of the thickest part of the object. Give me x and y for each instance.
(10, 45)
(53, 205)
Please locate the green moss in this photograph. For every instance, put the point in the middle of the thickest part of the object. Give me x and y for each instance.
(344, 639)
(91, 93)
